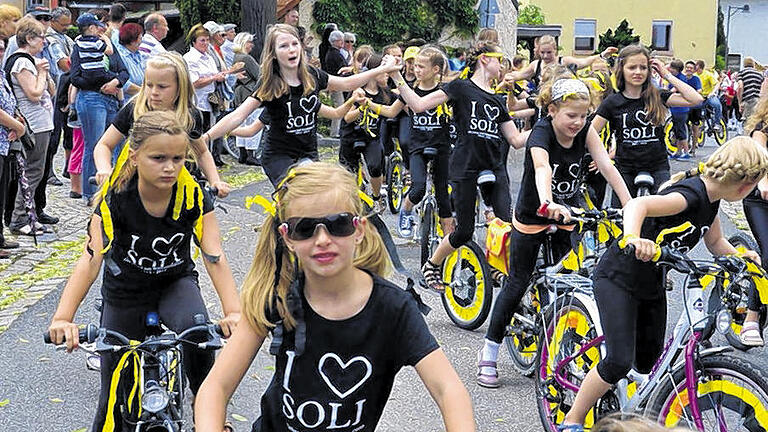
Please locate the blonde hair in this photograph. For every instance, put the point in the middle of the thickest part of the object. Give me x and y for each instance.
(656, 111)
(548, 40)
(144, 127)
(553, 74)
(740, 160)
(184, 102)
(261, 293)
(362, 54)
(273, 85)
(488, 35)
(759, 115)
(241, 40)
(9, 13)
(633, 423)
(435, 57)
(482, 47)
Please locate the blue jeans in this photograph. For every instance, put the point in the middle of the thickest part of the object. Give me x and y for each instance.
(96, 112)
(714, 102)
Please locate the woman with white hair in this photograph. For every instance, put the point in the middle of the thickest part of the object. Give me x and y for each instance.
(245, 87)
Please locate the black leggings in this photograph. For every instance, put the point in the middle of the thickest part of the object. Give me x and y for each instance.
(756, 212)
(276, 165)
(439, 176)
(373, 154)
(523, 252)
(464, 196)
(660, 176)
(633, 328)
(177, 305)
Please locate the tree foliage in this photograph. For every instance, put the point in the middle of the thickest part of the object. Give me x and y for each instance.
(531, 15)
(378, 22)
(720, 50)
(619, 38)
(201, 11)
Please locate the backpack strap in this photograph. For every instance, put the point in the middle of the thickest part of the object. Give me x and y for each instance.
(11, 60)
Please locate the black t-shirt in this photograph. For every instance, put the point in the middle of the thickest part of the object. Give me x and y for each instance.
(566, 166)
(639, 144)
(293, 119)
(681, 231)
(123, 121)
(353, 132)
(478, 116)
(344, 377)
(428, 129)
(147, 250)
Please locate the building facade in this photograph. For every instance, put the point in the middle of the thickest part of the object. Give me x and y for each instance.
(684, 29)
(748, 32)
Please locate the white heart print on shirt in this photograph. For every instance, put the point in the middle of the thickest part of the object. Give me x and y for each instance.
(343, 369)
(642, 117)
(165, 247)
(491, 111)
(308, 103)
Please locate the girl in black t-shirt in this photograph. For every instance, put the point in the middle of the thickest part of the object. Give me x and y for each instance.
(483, 125)
(636, 114)
(756, 211)
(166, 87)
(428, 129)
(340, 332)
(629, 290)
(552, 178)
(288, 89)
(362, 125)
(150, 211)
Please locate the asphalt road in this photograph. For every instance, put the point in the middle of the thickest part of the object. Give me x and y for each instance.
(48, 390)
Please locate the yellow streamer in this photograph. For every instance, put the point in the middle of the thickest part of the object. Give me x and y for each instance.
(268, 206)
(130, 355)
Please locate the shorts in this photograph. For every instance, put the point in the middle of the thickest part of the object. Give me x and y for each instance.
(76, 157)
(696, 115)
(680, 125)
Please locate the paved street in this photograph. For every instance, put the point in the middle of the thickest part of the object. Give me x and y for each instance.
(42, 389)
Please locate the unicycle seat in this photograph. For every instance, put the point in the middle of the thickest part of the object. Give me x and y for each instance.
(429, 152)
(486, 177)
(644, 179)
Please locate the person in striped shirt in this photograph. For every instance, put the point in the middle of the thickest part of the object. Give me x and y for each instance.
(155, 30)
(750, 81)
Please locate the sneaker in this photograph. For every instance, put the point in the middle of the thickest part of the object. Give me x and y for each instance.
(684, 156)
(487, 374)
(379, 204)
(433, 277)
(674, 156)
(404, 224)
(54, 181)
(570, 428)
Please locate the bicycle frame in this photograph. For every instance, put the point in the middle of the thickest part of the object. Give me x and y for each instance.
(429, 197)
(684, 339)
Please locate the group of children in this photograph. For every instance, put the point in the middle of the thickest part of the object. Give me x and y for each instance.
(317, 279)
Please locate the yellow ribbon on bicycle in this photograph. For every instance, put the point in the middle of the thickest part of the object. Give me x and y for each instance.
(129, 359)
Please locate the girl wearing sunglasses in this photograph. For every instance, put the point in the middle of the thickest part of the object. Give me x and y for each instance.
(317, 285)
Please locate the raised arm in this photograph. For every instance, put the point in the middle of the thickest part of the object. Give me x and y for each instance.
(349, 83)
(390, 111)
(415, 102)
(686, 95)
(583, 62)
(232, 120)
(342, 110)
(522, 74)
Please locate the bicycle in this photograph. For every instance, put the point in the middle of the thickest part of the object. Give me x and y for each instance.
(708, 128)
(155, 401)
(426, 227)
(396, 178)
(670, 139)
(687, 366)
(597, 228)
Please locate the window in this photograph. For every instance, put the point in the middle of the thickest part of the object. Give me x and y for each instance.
(661, 38)
(584, 31)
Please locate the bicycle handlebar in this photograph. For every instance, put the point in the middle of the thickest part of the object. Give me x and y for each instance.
(91, 333)
(674, 258)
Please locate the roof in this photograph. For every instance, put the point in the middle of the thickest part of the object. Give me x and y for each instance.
(539, 30)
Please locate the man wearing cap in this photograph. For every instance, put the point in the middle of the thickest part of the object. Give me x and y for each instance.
(227, 46)
(155, 30)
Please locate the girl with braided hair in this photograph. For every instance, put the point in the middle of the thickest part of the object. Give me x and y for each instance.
(485, 130)
(317, 284)
(151, 209)
(629, 290)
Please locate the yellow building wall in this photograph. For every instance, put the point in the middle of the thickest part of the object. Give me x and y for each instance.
(694, 22)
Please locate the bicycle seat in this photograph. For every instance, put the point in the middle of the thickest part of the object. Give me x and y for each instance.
(430, 152)
(304, 161)
(358, 146)
(644, 179)
(486, 177)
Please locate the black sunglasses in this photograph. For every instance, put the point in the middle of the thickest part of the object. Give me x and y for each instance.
(337, 225)
(43, 18)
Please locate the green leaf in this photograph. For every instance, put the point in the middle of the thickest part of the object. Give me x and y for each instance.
(269, 368)
(239, 418)
(80, 430)
(56, 400)
(4, 402)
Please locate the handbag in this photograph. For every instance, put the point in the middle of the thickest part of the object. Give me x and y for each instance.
(497, 244)
(215, 99)
(27, 141)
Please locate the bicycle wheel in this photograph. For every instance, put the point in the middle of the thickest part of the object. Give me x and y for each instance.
(721, 135)
(396, 190)
(567, 329)
(670, 139)
(523, 342)
(468, 286)
(732, 394)
(428, 231)
(702, 135)
(230, 145)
